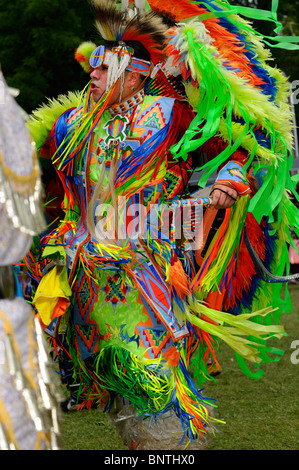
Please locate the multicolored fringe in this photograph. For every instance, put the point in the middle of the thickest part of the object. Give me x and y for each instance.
(152, 389)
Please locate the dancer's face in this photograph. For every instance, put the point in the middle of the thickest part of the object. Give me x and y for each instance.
(99, 83)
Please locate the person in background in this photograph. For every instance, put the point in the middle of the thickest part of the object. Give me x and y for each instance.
(29, 404)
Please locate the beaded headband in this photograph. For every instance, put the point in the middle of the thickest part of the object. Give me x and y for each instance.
(101, 56)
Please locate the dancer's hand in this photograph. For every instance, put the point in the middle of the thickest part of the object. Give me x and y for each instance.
(223, 196)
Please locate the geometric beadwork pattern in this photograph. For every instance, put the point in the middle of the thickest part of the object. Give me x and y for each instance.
(85, 295)
(87, 340)
(154, 336)
(153, 118)
(115, 290)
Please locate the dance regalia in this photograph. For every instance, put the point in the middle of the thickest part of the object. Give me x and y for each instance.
(88, 267)
(138, 312)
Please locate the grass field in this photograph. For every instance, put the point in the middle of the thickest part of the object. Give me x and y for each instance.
(260, 414)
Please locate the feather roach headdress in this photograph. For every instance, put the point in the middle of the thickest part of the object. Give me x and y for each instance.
(121, 24)
(118, 25)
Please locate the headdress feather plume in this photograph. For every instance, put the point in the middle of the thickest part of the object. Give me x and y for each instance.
(115, 24)
(109, 20)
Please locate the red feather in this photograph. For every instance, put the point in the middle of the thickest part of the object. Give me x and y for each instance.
(242, 277)
(147, 41)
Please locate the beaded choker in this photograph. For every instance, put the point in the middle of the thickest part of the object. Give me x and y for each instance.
(127, 105)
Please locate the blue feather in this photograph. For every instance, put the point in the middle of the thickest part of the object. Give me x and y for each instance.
(269, 87)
